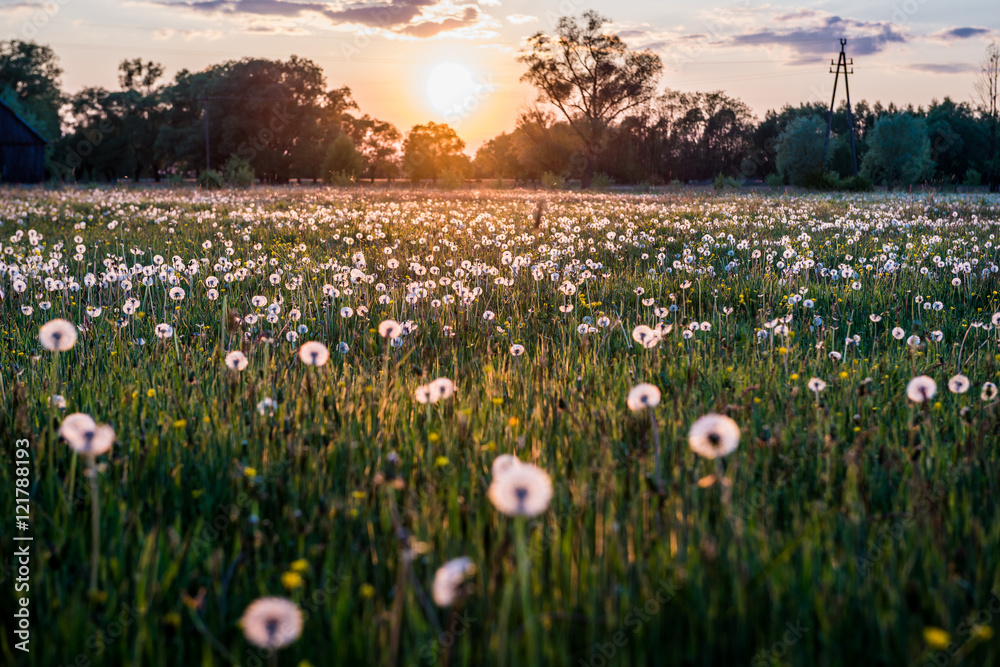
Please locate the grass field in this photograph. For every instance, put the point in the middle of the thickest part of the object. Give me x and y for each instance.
(852, 526)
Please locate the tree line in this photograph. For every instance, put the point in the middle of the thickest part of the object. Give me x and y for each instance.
(599, 117)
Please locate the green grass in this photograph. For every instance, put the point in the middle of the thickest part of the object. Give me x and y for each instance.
(856, 520)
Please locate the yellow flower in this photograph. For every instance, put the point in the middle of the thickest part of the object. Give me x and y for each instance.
(172, 618)
(782, 350)
(358, 495)
(497, 400)
(513, 421)
(982, 632)
(151, 393)
(433, 437)
(367, 591)
(180, 423)
(936, 638)
(301, 565)
(794, 376)
(250, 472)
(441, 461)
(291, 580)
(843, 375)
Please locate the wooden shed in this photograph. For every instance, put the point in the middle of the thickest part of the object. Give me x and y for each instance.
(22, 149)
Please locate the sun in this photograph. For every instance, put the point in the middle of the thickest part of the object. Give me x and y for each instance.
(451, 87)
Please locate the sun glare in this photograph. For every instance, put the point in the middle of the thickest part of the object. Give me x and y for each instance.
(450, 87)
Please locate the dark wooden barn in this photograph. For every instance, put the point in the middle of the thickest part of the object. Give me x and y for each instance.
(22, 149)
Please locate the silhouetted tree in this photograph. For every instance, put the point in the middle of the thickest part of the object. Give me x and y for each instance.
(591, 77)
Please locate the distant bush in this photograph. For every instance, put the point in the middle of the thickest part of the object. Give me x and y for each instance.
(210, 179)
(342, 158)
(899, 151)
(601, 181)
(723, 182)
(972, 178)
(176, 178)
(820, 180)
(775, 180)
(856, 184)
(553, 181)
(239, 172)
(452, 179)
(340, 179)
(799, 149)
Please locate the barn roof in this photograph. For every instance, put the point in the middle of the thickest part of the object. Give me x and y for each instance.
(23, 122)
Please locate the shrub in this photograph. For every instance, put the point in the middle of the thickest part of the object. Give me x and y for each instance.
(342, 158)
(856, 184)
(239, 172)
(722, 182)
(972, 178)
(210, 179)
(775, 180)
(820, 180)
(799, 149)
(452, 179)
(601, 181)
(553, 181)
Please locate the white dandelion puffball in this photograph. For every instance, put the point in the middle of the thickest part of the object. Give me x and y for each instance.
(272, 622)
(422, 394)
(74, 425)
(522, 490)
(898, 333)
(57, 335)
(959, 384)
(989, 391)
(643, 396)
(389, 329)
(442, 389)
(163, 331)
(817, 385)
(236, 360)
(645, 336)
(84, 436)
(503, 463)
(314, 353)
(913, 340)
(449, 580)
(516, 350)
(921, 388)
(713, 436)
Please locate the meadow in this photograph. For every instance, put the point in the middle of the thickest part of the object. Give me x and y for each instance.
(269, 362)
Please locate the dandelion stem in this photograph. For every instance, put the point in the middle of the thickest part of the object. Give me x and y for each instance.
(524, 576)
(95, 524)
(656, 444)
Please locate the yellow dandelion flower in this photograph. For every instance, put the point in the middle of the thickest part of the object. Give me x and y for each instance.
(300, 565)
(441, 461)
(367, 591)
(936, 638)
(291, 580)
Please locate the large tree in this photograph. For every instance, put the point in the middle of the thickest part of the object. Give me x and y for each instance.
(29, 82)
(591, 77)
(987, 94)
(899, 151)
(431, 149)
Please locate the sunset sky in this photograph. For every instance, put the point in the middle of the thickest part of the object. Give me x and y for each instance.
(410, 61)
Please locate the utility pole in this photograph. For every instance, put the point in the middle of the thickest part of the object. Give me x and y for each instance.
(842, 63)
